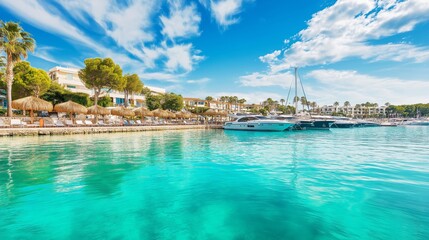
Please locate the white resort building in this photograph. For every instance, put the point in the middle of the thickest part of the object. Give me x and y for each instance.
(360, 111)
(69, 78)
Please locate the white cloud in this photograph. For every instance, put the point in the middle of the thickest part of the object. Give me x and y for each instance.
(333, 85)
(129, 24)
(348, 29)
(198, 81)
(224, 11)
(45, 54)
(179, 57)
(257, 79)
(183, 20)
(270, 57)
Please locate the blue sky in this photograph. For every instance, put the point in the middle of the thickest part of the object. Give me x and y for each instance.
(346, 50)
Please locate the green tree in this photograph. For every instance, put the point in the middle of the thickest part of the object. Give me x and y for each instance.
(105, 101)
(304, 102)
(153, 101)
(101, 75)
(209, 98)
(282, 101)
(346, 104)
(58, 94)
(29, 81)
(241, 101)
(145, 91)
(172, 101)
(131, 84)
(15, 43)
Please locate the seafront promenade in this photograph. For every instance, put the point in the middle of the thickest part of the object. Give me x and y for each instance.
(9, 132)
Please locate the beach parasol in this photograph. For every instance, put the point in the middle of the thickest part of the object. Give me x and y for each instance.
(70, 107)
(180, 115)
(171, 114)
(143, 112)
(32, 104)
(98, 110)
(159, 113)
(121, 111)
(210, 112)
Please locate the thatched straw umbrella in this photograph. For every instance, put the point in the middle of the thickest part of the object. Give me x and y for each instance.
(32, 104)
(187, 115)
(159, 113)
(171, 114)
(210, 112)
(180, 115)
(121, 111)
(98, 110)
(142, 112)
(70, 107)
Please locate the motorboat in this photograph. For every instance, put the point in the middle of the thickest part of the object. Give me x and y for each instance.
(344, 124)
(365, 123)
(258, 123)
(388, 124)
(304, 123)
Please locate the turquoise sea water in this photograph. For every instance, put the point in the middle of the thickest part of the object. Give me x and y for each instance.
(341, 184)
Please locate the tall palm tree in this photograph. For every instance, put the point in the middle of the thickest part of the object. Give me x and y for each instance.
(15, 43)
(282, 101)
(346, 104)
(304, 102)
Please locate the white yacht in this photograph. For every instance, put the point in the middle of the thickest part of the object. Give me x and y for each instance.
(258, 123)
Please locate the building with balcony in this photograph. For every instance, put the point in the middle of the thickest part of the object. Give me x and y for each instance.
(69, 79)
(360, 111)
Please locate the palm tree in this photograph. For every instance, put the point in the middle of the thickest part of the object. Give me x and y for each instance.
(15, 43)
(282, 101)
(387, 104)
(241, 101)
(304, 102)
(346, 104)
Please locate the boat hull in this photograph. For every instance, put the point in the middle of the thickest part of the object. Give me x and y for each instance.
(249, 126)
(313, 125)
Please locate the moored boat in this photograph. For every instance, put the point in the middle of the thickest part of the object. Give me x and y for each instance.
(388, 124)
(344, 124)
(258, 123)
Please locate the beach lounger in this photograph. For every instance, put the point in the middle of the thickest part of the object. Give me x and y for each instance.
(101, 123)
(132, 123)
(138, 122)
(126, 123)
(58, 123)
(79, 123)
(88, 123)
(3, 124)
(16, 123)
(70, 123)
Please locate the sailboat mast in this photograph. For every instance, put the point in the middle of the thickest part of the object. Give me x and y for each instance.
(296, 91)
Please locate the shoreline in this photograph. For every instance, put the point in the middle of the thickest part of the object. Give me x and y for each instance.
(50, 131)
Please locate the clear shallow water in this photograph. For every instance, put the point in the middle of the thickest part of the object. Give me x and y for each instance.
(341, 184)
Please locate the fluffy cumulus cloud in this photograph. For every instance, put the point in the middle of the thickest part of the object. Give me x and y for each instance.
(352, 29)
(349, 28)
(264, 80)
(225, 12)
(183, 21)
(355, 87)
(132, 25)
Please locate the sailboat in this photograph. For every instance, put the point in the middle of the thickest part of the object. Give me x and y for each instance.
(306, 122)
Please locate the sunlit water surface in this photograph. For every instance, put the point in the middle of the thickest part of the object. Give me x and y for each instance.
(209, 184)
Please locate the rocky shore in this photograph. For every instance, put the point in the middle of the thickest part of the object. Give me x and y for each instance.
(5, 132)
